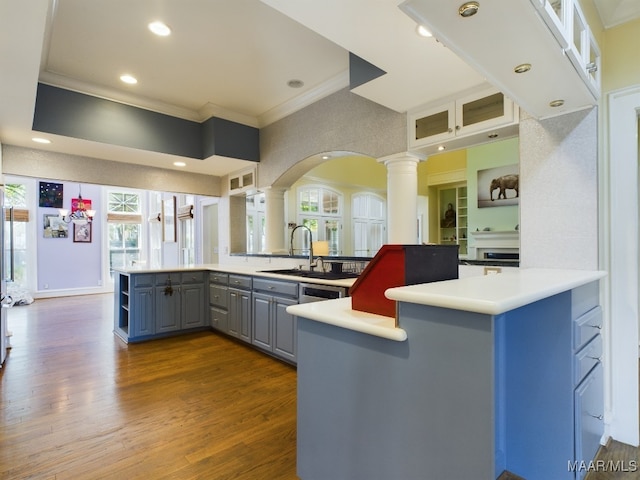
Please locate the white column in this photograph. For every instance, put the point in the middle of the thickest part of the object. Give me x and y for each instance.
(402, 197)
(274, 227)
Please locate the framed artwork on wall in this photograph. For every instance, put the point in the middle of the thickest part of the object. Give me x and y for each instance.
(82, 233)
(499, 186)
(54, 227)
(51, 194)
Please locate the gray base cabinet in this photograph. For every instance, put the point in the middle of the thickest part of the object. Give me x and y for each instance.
(155, 305)
(239, 319)
(274, 330)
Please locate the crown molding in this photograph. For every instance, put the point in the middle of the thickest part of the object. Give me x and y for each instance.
(334, 84)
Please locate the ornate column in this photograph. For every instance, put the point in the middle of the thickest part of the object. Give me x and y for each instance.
(402, 197)
(274, 227)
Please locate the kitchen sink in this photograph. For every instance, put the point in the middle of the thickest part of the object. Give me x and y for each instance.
(296, 272)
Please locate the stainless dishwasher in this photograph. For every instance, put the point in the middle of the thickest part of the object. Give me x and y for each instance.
(313, 292)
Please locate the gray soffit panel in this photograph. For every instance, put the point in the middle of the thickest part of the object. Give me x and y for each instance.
(72, 114)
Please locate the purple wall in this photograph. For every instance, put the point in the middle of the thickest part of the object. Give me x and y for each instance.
(63, 263)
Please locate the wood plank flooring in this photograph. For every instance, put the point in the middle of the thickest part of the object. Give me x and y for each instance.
(78, 403)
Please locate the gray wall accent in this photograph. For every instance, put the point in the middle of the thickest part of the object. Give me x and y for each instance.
(230, 139)
(342, 121)
(559, 191)
(42, 164)
(361, 71)
(73, 114)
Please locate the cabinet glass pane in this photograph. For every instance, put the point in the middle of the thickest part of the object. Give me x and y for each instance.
(483, 109)
(557, 7)
(432, 125)
(579, 30)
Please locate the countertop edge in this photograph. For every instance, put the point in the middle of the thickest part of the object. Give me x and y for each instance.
(339, 313)
(495, 294)
(240, 270)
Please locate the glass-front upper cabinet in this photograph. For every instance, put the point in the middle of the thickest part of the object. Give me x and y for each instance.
(475, 112)
(568, 24)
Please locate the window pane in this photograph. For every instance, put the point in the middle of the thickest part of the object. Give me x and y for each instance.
(121, 202)
(15, 195)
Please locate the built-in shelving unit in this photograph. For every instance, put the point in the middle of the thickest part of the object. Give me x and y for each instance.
(453, 219)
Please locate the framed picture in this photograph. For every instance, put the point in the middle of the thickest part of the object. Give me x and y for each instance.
(82, 233)
(499, 186)
(54, 227)
(76, 204)
(169, 220)
(51, 194)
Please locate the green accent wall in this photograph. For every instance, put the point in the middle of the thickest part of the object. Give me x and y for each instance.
(496, 154)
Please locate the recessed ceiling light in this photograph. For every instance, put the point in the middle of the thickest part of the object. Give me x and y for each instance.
(441, 148)
(180, 164)
(159, 28)
(556, 103)
(325, 157)
(295, 83)
(468, 9)
(522, 68)
(41, 140)
(423, 31)
(130, 79)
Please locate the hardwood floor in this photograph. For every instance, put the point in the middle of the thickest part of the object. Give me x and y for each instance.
(78, 403)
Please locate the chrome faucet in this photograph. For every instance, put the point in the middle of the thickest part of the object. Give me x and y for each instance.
(311, 264)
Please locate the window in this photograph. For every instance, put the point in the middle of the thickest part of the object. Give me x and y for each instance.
(187, 230)
(369, 224)
(124, 225)
(16, 218)
(320, 209)
(255, 208)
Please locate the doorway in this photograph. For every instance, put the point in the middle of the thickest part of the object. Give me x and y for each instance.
(620, 258)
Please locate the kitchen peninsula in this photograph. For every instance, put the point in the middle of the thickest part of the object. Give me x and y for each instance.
(480, 375)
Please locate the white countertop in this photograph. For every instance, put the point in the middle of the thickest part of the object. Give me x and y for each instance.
(495, 294)
(338, 312)
(241, 270)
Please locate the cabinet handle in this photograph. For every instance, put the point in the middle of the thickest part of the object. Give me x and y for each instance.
(595, 358)
(457, 127)
(271, 287)
(599, 327)
(450, 130)
(599, 417)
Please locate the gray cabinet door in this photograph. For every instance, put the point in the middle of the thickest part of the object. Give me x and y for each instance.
(193, 305)
(239, 321)
(142, 312)
(167, 310)
(262, 322)
(285, 338)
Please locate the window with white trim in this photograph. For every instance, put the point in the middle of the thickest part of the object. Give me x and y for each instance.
(255, 209)
(369, 223)
(124, 220)
(320, 209)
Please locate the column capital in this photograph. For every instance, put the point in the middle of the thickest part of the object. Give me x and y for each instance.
(402, 157)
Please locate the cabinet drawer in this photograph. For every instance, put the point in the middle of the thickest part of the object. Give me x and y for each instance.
(192, 277)
(289, 289)
(219, 277)
(165, 278)
(240, 281)
(219, 319)
(589, 422)
(586, 327)
(142, 280)
(587, 358)
(218, 296)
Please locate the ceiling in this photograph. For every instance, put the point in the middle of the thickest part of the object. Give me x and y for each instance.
(228, 58)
